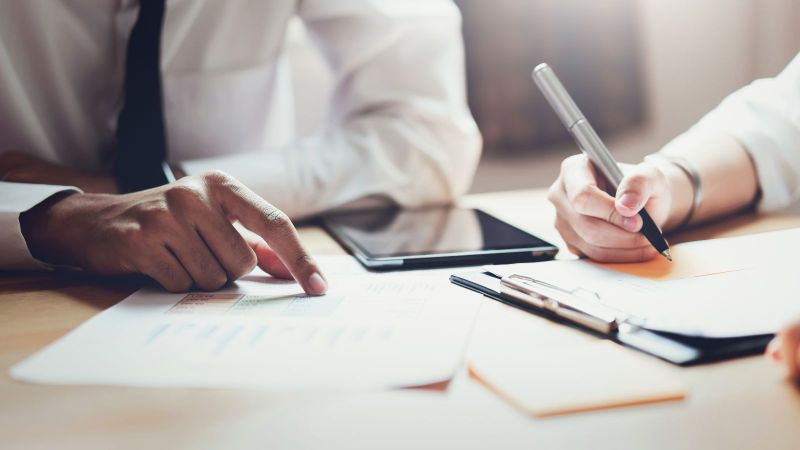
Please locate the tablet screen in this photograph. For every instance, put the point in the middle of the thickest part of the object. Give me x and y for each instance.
(439, 230)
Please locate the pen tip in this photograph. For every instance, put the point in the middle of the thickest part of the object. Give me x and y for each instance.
(667, 255)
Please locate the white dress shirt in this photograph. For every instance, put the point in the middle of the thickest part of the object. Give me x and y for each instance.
(765, 118)
(398, 125)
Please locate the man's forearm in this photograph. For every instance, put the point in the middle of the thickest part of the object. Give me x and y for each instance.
(19, 167)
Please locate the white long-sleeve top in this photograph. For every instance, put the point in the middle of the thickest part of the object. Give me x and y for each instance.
(398, 125)
(765, 118)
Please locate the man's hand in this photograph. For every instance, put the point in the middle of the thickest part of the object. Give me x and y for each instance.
(603, 227)
(180, 234)
(22, 168)
(786, 348)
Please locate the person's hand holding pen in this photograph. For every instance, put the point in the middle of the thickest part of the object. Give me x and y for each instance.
(635, 190)
(606, 227)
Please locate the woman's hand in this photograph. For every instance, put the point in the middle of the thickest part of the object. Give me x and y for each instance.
(605, 227)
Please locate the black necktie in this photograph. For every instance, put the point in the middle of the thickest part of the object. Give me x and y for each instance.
(141, 137)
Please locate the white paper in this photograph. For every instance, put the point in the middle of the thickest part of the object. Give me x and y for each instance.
(369, 331)
(758, 299)
(744, 303)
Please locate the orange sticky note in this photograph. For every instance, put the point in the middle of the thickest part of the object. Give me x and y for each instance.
(688, 260)
(713, 256)
(598, 375)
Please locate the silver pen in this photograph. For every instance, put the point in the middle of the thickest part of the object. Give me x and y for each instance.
(591, 144)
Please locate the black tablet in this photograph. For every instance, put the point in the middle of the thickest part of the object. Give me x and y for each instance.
(393, 239)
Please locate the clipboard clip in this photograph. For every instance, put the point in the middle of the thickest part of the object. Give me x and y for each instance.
(578, 305)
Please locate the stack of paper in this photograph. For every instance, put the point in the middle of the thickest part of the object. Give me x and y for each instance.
(369, 331)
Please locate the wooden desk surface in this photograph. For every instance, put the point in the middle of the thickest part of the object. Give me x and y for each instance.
(743, 403)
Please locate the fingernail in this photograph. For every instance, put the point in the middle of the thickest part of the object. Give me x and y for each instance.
(317, 284)
(628, 201)
(629, 223)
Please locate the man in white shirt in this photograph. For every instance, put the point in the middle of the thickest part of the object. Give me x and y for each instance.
(398, 130)
(744, 153)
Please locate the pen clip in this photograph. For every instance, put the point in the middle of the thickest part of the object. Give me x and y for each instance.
(562, 302)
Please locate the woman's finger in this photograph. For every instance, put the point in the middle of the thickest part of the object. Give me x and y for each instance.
(790, 346)
(603, 254)
(596, 231)
(583, 193)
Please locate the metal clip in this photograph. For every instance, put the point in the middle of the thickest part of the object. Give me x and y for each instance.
(579, 305)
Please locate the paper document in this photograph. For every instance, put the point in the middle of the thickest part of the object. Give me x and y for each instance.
(740, 286)
(714, 256)
(546, 382)
(369, 331)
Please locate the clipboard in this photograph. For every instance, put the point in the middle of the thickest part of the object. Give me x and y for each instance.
(579, 310)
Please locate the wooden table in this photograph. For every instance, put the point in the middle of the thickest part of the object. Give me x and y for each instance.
(743, 403)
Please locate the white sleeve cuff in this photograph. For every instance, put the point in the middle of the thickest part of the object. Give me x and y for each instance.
(16, 198)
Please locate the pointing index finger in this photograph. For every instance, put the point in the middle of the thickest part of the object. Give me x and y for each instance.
(267, 221)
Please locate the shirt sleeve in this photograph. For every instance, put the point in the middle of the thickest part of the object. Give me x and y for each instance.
(16, 198)
(400, 128)
(765, 118)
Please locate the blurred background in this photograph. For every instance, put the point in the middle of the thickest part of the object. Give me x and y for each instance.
(642, 71)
